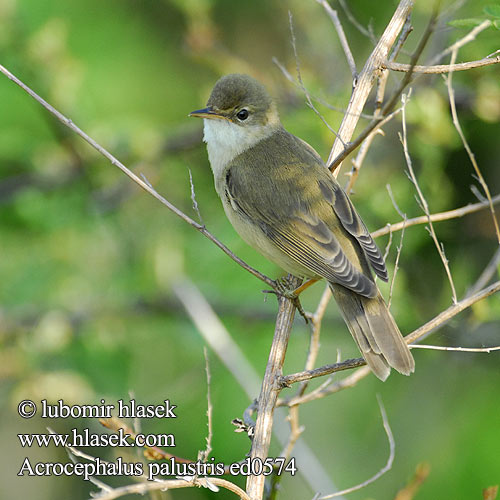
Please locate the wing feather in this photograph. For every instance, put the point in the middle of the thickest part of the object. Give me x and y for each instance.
(353, 223)
(301, 217)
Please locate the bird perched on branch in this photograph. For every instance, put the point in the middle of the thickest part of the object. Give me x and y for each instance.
(283, 201)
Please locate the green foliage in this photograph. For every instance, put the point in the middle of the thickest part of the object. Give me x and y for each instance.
(469, 22)
(492, 10)
(492, 13)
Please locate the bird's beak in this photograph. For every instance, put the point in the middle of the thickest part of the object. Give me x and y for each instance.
(207, 113)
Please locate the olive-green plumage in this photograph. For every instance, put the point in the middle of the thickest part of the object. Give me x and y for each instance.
(282, 200)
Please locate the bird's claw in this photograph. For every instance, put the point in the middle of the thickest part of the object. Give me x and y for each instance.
(283, 287)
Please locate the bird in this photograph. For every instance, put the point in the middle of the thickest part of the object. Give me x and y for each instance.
(282, 200)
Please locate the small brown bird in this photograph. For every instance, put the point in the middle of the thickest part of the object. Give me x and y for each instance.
(283, 201)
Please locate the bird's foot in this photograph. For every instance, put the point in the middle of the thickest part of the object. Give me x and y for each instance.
(284, 287)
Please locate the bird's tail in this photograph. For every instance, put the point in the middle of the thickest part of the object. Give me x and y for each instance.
(375, 331)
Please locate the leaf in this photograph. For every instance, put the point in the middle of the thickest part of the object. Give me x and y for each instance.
(492, 10)
(497, 24)
(469, 22)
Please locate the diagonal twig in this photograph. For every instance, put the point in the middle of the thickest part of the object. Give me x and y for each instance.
(343, 40)
(420, 333)
(143, 184)
(299, 77)
(423, 202)
(471, 155)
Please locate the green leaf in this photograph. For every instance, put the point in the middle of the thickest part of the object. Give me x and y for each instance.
(492, 10)
(466, 23)
(497, 24)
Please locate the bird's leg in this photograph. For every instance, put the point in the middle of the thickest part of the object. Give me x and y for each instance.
(305, 286)
(283, 288)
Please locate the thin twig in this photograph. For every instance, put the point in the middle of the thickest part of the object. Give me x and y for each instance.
(405, 33)
(314, 344)
(75, 452)
(387, 467)
(193, 199)
(400, 246)
(423, 201)
(469, 37)
(471, 155)
(449, 313)
(299, 77)
(487, 274)
(345, 383)
(348, 364)
(203, 455)
(143, 184)
(387, 249)
(171, 484)
(396, 267)
(442, 68)
(152, 452)
(366, 32)
(314, 97)
(422, 219)
(343, 40)
(460, 349)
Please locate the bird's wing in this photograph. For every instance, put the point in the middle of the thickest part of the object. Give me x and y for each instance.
(353, 223)
(297, 217)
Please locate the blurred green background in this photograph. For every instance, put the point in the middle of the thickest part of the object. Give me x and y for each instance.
(89, 262)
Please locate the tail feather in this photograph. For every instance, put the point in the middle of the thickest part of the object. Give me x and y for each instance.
(375, 332)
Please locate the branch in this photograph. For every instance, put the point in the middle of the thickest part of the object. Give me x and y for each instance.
(143, 184)
(441, 68)
(365, 82)
(417, 334)
(450, 214)
(270, 390)
(449, 313)
(459, 349)
(336, 162)
(348, 364)
(200, 482)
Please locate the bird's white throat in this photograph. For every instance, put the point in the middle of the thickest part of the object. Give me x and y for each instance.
(226, 140)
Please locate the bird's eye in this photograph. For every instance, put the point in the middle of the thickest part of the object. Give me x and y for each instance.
(242, 115)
